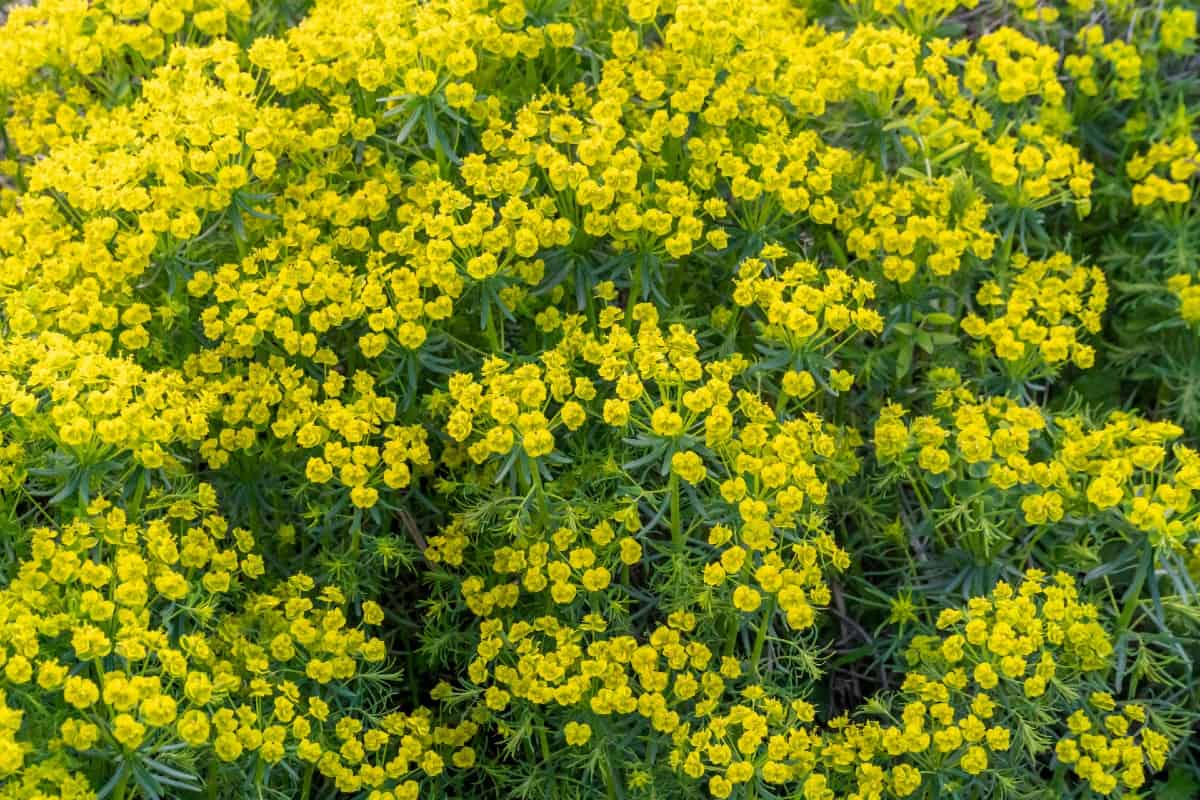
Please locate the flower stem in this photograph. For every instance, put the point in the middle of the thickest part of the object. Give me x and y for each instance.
(119, 792)
(731, 636)
(635, 292)
(1133, 595)
(610, 780)
(543, 506)
(760, 637)
(308, 779)
(676, 521)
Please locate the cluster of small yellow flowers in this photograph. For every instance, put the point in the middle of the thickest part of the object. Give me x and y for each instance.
(796, 587)
(967, 432)
(1125, 65)
(346, 427)
(52, 777)
(66, 37)
(729, 746)
(802, 308)
(962, 700)
(1188, 293)
(1022, 66)
(12, 755)
(565, 566)
(1040, 311)
(597, 170)
(141, 178)
(509, 410)
(58, 53)
(148, 630)
(1017, 637)
(1047, 13)
(1035, 644)
(1125, 466)
(1177, 31)
(1109, 747)
(1179, 159)
(432, 52)
(1035, 169)
(610, 679)
(92, 404)
(1122, 465)
(910, 225)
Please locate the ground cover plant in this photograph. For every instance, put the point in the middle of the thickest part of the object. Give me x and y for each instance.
(599, 399)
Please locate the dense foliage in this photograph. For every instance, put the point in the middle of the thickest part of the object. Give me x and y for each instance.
(589, 398)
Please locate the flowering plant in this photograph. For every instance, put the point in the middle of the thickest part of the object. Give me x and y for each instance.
(625, 398)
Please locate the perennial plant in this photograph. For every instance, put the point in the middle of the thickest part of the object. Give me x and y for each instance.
(599, 398)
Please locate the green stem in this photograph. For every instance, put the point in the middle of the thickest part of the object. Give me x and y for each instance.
(731, 636)
(635, 292)
(760, 638)
(119, 792)
(306, 789)
(610, 780)
(1134, 594)
(676, 521)
(259, 769)
(543, 506)
(491, 331)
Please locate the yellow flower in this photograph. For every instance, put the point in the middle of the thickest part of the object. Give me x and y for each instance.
(227, 746)
(577, 733)
(158, 710)
(80, 692)
(538, 442)
(18, 670)
(666, 422)
(1104, 492)
(746, 599)
(596, 579)
(193, 727)
(128, 731)
(372, 613)
(974, 761)
(905, 780)
(689, 466)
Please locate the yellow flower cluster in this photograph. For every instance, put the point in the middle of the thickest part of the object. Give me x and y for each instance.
(604, 295)
(959, 707)
(60, 53)
(1122, 465)
(1034, 169)
(148, 633)
(1108, 747)
(1180, 160)
(804, 308)
(1027, 644)
(1040, 312)
(909, 223)
(1188, 294)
